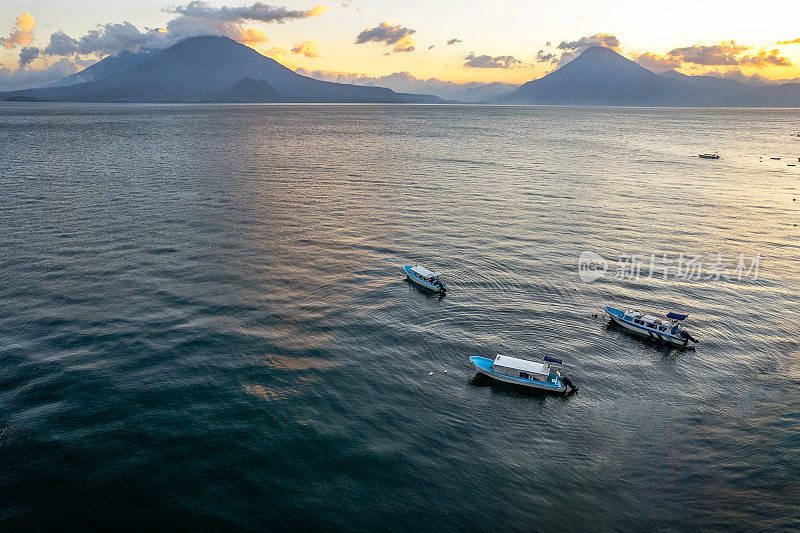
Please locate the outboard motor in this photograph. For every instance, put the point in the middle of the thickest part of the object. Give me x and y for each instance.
(686, 335)
(568, 382)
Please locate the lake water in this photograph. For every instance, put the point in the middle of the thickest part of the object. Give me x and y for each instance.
(202, 324)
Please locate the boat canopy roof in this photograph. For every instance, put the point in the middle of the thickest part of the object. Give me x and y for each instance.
(521, 364)
(424, 272)
(677, 316)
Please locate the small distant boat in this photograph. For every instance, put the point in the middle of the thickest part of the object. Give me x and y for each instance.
(425, 278)
(715, 155)
(525, 373)
(671, 332)
(775, 158)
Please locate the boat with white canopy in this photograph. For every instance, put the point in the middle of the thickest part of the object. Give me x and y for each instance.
(523, 372)
(425, 278)
(670, 332)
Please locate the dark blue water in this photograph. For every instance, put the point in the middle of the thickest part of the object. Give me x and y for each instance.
(202, 325)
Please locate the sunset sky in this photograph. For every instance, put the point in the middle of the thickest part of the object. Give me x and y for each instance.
(511, 41)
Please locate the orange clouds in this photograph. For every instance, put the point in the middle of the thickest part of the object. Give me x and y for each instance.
(657, 62)
(793, 41)
(728, 54)
(764, 58)
(21, 32)
(406, 44)
(307, 48)
(317, 11)
(276, 52)
(251, 36)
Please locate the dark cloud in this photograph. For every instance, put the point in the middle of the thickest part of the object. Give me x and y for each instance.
(258, 11)
(454, 41)
(109, 39)
(542, 57)
(485, 61)
(718, 54)
(61, 44)
(27, 55)
(572, 49)
(598, 39)
(385, 33)
(194, 19)
(199, 18)
(112, 37)
(728, 54)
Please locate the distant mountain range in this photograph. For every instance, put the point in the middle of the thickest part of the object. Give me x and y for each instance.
(203, 69)
(218, 69)
(602, 77)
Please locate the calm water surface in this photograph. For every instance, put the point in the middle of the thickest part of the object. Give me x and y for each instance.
(202, 325)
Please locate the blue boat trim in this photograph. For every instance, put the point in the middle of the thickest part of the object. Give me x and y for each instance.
(488, 365)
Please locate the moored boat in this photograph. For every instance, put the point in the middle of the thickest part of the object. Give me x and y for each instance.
(425, 278)
(523, 372)
(709, 156)
(670, 332)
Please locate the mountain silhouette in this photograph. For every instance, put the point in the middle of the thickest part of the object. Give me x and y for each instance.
(202, 69)
(601, 77)
(250, 90)
(219, 69)
(104, 68)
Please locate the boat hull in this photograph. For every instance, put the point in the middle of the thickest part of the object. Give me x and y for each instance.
(484, 366)
(414, 279)
(616, 318)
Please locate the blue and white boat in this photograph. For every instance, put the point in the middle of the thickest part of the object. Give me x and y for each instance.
(670, 332)
(522, 372)
(425, 278)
